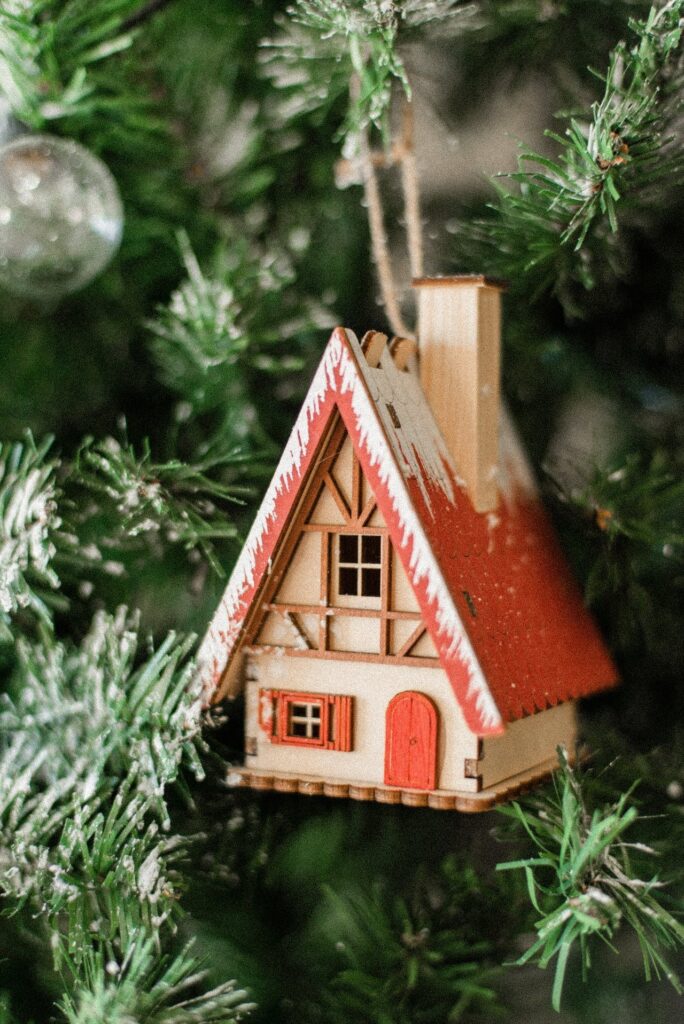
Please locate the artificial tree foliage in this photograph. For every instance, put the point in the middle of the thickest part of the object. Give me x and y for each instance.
(141, 419)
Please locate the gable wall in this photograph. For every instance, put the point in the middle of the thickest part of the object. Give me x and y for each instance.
(528, 742)
(302, 612)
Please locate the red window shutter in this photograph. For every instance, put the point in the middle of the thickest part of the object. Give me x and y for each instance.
(341, 712)
(268, 719)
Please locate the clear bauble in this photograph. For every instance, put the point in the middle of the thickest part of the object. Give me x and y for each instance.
(61, 216)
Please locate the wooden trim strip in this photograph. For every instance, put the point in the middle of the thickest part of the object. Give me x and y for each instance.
(298, 628)
(388, 659)
(387, 796)
(438, 800)
(361, 613)
(356, 792)
(407, 647)
(356, 487)
(368, 531)
(366, 512)
(335, 789)
(385, 592)
(324, 592)
(282, 785)
(310, 787)
(449, 280)
(331, 484)
(329, 447)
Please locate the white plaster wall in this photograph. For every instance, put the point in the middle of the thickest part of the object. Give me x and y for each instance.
(403, 598)
(372, 686)
(342, 468)
(528, 742)
(302, 582)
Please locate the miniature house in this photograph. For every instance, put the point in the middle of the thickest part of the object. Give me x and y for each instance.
(401, 619)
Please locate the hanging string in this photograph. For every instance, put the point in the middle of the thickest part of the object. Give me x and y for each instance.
(410, 188)
(404, 154)
(378, 236)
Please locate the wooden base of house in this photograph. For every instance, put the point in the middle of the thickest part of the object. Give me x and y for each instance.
(437, 799)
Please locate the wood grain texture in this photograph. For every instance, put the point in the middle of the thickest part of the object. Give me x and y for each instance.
(459, 327)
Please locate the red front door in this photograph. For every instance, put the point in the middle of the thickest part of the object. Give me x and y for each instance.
(411, 741)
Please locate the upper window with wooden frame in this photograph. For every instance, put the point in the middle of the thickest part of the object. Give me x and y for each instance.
(359, 568)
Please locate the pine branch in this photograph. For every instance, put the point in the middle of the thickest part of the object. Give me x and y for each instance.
(631, 515)
(29, 522)
(142, 987)
(146, 12)
(418, 955)
(639, 501)
(89, 743)
(325, 43)
(171, 502)
(109, 875)
(49, 50)
(588, 887)
(621, 155)
(80, 718)
(5, 1012)
(224, 329)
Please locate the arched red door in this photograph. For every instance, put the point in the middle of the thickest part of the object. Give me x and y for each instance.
(411, 741)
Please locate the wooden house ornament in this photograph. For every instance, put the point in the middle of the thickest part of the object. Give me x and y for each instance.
(401, 619)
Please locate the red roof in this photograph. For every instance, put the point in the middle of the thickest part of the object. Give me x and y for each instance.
(495, 591)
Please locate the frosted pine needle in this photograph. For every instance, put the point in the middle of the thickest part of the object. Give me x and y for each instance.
(91, 737)
(324, 43)
(240, 315)
(28, 520)
(169, 503)
(141, 986)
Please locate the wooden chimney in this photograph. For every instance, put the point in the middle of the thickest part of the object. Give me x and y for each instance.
(459, 339)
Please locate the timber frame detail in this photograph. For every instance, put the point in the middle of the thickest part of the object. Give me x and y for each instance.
(356, 514)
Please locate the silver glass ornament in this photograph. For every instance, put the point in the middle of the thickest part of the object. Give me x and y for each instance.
(61, 216)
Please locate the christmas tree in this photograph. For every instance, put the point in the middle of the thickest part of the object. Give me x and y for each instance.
(270, 170)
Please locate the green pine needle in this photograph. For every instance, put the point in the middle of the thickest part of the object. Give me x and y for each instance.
(639, 501)
(582, 881)
(412, 956)
(622, 154)
(91, 737)
(229, 328)
(51, 52)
